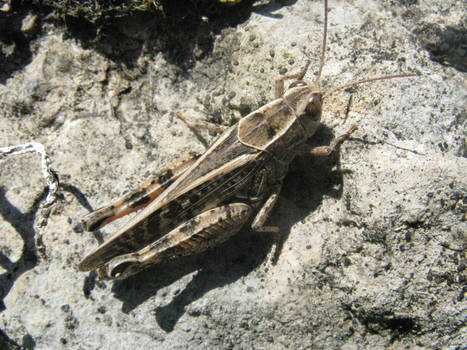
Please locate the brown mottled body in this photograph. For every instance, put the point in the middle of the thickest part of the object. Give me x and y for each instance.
(202, 202)
(228, 172)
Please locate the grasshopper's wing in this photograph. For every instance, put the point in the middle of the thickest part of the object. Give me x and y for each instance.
(216, 175)
(267, 127)
(148, 191)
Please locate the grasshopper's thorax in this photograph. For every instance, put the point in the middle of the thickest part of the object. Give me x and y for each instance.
(283, 124)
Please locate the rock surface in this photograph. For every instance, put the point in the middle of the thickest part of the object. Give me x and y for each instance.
(373, 255)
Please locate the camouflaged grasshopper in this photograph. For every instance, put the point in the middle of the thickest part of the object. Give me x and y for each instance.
(202, 202)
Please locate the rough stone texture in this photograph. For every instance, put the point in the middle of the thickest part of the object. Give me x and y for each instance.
(374, 237)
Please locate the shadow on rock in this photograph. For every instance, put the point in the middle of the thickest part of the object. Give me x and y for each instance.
(183, 30)
(445, 45)
(215, 268)
(23, 223)
(15, 52)
(6, 343)
(310, 179)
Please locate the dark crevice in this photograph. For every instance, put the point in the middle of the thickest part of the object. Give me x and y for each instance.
(447, 45)
(378, 321)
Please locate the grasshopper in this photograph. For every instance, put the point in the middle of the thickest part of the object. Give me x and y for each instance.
(205, 200)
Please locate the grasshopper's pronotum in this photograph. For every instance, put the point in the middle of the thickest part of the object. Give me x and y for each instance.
(235, 183)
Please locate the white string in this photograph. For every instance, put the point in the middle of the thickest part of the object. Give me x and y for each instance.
(47, 173)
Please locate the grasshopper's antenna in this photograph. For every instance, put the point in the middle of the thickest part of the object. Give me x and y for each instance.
(323, 52)
(364, 81)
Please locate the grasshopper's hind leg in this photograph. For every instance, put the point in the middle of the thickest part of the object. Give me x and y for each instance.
(146, 193)
(204, 231)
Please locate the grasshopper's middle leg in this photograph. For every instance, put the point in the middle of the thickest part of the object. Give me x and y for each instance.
(263, 214)
(204, 231)
(147, 192)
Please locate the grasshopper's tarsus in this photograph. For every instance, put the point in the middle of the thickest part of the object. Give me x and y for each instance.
(327, 150)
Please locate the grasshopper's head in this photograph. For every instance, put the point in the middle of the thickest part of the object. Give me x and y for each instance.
(311, 119)
(308, 105)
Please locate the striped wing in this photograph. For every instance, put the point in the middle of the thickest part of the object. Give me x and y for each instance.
(215, 177)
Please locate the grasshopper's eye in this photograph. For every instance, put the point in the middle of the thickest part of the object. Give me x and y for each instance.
(314, 107)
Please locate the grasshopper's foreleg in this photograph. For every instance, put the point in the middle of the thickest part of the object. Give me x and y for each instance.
(204, 231)
(147, 192)
(279, 86)
(327, 150)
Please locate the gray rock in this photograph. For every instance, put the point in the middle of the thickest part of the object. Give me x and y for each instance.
(374, 237)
